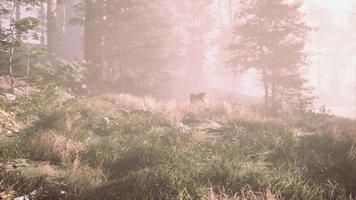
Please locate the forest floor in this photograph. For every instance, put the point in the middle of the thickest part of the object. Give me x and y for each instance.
(125, 147)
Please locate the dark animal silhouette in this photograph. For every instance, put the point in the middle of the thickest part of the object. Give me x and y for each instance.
(199, 98)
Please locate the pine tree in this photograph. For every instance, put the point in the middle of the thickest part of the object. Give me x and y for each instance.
(270, 37)
(42, 18)
(92, 36)
(11, 38)
(123, 42)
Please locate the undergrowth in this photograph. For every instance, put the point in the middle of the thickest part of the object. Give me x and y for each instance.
(122, 147)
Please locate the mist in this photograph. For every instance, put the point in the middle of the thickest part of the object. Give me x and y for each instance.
(331, 71)
(168, 99)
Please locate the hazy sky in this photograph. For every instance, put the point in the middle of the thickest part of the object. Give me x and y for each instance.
(337, 5)
(335, 42)
(333, 45)
(339, 8)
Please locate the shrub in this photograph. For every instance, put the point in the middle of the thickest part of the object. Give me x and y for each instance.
(56, 148)
(325, 158)
(83, 178)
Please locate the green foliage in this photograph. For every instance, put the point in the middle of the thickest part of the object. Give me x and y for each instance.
(134, 44)
(11, 35)
(143, 158)
(104, 152)
(23, 185)
(24, 25)
(256, 140)
(193, 118)
(275, 51)
(325, 159)
(70, 75)
(65, 75)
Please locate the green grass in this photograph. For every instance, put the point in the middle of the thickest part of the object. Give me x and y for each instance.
(143, 157)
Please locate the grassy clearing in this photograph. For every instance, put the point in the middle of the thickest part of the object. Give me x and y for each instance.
(123, 147)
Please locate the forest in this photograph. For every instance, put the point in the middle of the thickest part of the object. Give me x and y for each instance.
(186, 100)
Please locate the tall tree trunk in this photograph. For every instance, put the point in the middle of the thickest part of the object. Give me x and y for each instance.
(273, 109)
(266, 90)
(52, 28)
(12, 37)
(104, 46)
(43, 22)
(18, 17)
(0, 20)
(354, 85)
(61, 26)
(93, 40)
(319, 66)
(27, 68)
(90, 32)
(63, 19)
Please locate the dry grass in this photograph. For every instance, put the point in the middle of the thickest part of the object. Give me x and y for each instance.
(83, 178)
(141, 141)
(170, 112)
(245, 195)
(47, 171)
(56, 147)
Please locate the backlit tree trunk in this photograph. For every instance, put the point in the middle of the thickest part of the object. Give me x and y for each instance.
(11, 57)
(266, 90)
(61, 26)
(51, 28)
(93, 39)
(18, 17)
(43, 22)
(0, 22)
(27, 68)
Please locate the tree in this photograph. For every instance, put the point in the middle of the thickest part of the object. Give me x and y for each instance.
(52, 28)
(42, 17)
(18, 16)
(12, 30)
(270, 37)
(92, 20)
(10, 37)
(193, 21)
(123, 42)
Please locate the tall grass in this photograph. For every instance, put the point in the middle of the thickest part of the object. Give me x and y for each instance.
(138, 153)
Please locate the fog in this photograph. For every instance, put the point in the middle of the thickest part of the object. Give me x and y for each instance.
(177, 99)
(202, 66)
(333, 70)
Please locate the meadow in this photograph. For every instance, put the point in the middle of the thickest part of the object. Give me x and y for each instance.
(126, 147)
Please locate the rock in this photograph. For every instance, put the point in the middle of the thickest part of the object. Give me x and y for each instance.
(124, 111)
(30, 168)
(302, 133)
(207, 131)
(7, 194)
(181, 128)
(207, 126)
(31, 195)
(105, 120)
(19, 163)
(8, 124)
(10, 98)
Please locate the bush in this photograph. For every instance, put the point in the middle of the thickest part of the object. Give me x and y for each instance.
(83, 179)
(55, 147)
(325, 158)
